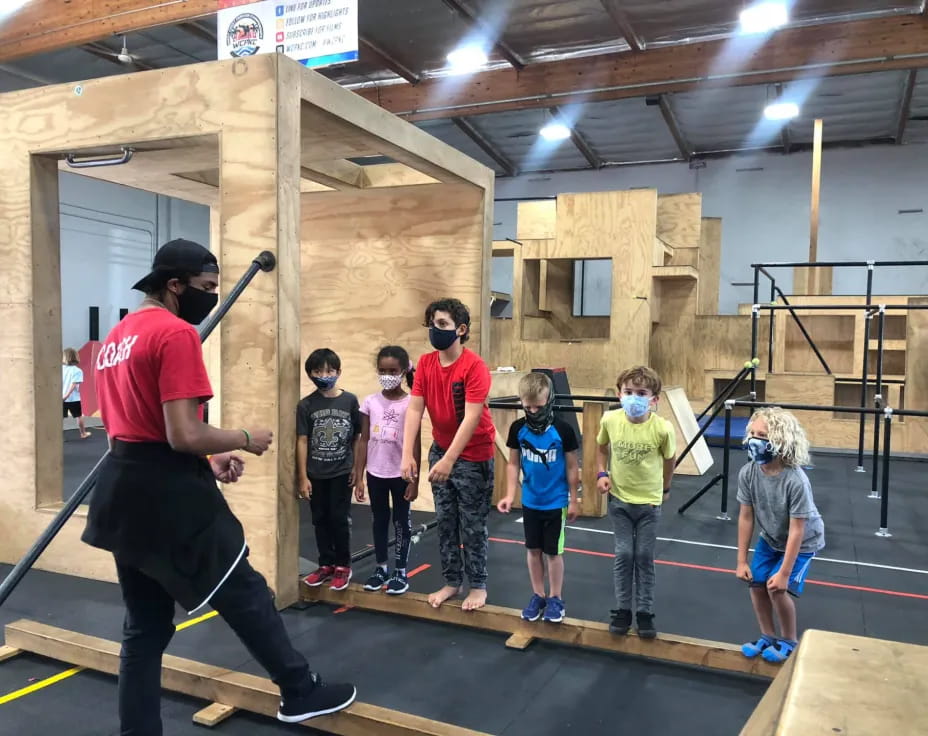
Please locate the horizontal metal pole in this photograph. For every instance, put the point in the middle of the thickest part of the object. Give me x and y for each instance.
(518, 407)
(844, 409)
(837, 264)
(765, 272)
(580, 397)
(804, 307)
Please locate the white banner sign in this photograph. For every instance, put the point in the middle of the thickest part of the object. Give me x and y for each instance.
(314, 32)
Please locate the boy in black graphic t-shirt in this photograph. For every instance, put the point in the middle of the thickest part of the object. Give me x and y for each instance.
(328, 426)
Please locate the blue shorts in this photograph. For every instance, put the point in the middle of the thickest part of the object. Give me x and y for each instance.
(766, 562)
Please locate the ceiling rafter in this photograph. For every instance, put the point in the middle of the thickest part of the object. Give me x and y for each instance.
(486, 146)
(621, 21)
(390, 61)
(499, 43)
(673, 125)
(785, 138)
(579, 141)
(905, 105)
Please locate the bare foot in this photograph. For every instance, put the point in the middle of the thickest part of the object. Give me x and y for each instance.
(85, 435)
(440, 596)
(477, 598)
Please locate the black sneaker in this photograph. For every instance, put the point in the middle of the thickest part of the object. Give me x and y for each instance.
(621, 621)
(645, 626)
(321, 700)
(377, 580)
(397, 585)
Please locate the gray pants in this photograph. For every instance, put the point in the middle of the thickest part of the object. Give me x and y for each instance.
(635, 527)
(462, 505)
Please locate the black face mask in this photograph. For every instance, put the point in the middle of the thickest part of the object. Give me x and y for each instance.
(194, 304)
(442, 339)
(540, 420)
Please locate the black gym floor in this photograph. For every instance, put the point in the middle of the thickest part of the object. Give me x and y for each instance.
(860, 584)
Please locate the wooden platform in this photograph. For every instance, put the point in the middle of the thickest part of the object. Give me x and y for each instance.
(590, 634)
(235, 690)
(851, 685)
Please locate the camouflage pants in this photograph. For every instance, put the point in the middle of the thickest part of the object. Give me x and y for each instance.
(462, 505)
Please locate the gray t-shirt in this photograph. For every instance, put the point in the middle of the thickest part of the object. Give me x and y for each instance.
(330, 426)
(778, 498)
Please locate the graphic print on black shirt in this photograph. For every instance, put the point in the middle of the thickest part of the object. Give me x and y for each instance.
(458, 396)
(330, 424)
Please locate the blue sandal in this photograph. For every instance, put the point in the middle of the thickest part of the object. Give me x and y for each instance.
(779, 652)
(753, 648)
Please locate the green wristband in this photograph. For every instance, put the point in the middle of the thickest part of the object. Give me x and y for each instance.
(247, 438)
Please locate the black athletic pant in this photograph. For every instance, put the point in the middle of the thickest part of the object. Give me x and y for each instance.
(381, 490)
(243, 600)
(330, 504)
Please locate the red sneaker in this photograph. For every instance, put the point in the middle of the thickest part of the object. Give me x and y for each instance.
(317, 578)
(342, 578)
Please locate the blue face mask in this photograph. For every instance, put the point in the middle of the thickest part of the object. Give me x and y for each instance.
(760, 451)
(324, 384)
(636, 406)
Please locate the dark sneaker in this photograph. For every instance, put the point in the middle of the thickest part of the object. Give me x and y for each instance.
(554, 610)
(397, 584)
(645, 626)
(621, 621)
(377, 580)
(532, 612)
(341, 578)
(321, 700)
(320, 576)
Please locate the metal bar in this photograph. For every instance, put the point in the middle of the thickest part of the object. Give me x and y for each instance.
(755, 317)
(416, 534)
(837, 264)
(863, 394)
(486, 146)
(905, 105)
(580, 143)
(878, 403)
(518, 407)
(725, 392)
(700, 493)
(390, 61)
(842, 307)
(802, 329)
(499, 44)
(725, 462)
(773, 298)
(844, 409)
(89, 163)
(581, 397)
(634, 41)
(884, 501)
(264, 262)
(686, 150)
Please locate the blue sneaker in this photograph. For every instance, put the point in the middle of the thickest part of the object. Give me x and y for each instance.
(554, 610)
(532, 612)
(754, 648)
(779, 651)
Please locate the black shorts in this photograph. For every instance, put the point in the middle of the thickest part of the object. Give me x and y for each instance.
(544, 530)
(74, 407)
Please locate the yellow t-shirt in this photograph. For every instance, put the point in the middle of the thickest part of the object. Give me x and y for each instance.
(637, 454)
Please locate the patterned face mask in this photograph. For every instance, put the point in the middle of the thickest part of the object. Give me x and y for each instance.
(324, 383)
(761, 451)
(388, 382)
(539, 421)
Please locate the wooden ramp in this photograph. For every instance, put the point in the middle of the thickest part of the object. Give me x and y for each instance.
(591, 634)
(851, 685)
(676, 409)
(227, 689)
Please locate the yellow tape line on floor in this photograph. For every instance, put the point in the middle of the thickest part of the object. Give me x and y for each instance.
(74, 670)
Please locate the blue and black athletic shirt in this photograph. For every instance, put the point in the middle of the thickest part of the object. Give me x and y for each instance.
(544, 467)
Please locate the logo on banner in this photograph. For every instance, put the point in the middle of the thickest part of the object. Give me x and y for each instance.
(245, 35)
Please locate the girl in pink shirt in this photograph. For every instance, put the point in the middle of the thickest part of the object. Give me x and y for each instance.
(380, 453)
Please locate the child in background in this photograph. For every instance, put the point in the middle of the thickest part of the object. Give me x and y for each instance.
(546, 450)
(380, 452)
(328, 424)
(774, 490)
(71, 379)
(642, 446)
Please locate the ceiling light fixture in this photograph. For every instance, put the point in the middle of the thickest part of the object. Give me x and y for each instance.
(554, 132)
(763, 17)
(467, 58)
(781, 111)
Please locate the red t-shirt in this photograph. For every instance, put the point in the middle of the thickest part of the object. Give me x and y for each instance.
(149, 358)
(446, 390)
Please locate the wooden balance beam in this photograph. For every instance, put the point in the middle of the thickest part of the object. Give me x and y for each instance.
(591, 634)
(222, 686)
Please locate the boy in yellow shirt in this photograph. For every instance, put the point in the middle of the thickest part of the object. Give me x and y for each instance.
(642, 446)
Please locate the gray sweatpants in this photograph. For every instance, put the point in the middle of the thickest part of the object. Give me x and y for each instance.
(462, 505)
(635, 527)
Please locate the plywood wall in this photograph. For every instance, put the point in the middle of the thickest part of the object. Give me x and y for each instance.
(678, 219)
(710, 255)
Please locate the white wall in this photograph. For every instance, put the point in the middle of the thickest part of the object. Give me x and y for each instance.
(765, 212)
(109, 234)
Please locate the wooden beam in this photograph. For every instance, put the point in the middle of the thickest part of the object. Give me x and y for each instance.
(389, 61)
(502, 48)
(592, 502)
(211, 683)
(619, 17)
(816, 188)
(579, 141)
(213, 714)
(486, 146)
(341, 174)
(905, 105)
(686, 151)
(7, 652)
(39, 27)
(592, 634)
(833, 49)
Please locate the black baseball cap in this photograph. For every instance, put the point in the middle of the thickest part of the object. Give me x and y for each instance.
(177, 256)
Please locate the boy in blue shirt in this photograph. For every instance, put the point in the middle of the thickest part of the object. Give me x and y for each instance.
(545, 449)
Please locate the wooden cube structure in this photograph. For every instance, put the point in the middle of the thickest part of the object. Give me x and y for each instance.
(277, 152)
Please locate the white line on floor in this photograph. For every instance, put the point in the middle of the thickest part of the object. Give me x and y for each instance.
(732, 547)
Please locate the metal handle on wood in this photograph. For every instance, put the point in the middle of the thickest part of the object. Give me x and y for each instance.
(88, 163)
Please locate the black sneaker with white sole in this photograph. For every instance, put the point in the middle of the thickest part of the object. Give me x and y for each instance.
(377, 580)
(321, 700)
(398, 584)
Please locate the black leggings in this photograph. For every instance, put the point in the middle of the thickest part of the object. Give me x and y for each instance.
(380, 490)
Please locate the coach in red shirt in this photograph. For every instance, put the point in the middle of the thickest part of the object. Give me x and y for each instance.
(453, 384)
(156, 505)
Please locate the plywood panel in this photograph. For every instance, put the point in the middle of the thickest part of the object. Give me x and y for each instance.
(710, 255)
(672, 339)
(674, 406)
(916, 377)
(536, 220)
(817, 390)
(813, 281)
(834, 337)
(678, 219)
